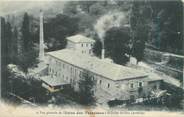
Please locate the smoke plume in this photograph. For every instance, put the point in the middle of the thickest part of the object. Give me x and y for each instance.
(107, 21)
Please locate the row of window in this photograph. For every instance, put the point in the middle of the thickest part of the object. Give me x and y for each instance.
(63, 66)
(82, 45)
(90, 51)
(73, 70)
(132, 85)
(57, 74)
(54, 72)
(108, 85)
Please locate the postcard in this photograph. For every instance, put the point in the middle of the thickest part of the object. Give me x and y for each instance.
(109, 58)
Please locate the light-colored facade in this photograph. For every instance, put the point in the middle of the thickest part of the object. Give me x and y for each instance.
(80, 43)
(113, 80)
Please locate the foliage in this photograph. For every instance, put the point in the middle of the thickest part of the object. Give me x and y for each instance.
(153, 22)
(166, 25)
(14, 47)
(25, 29)
(5, 32)
(57, 29)
(117, 45)
(34, 91)
(115, 102)
(28, 59)
(28, 55)
(140, 18)
(8, 42)
(7, 52)
(97, 48)
(86, 87)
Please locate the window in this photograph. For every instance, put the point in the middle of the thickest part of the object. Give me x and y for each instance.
(100, 81)
(155, 87)
(131, 85)
(63, 65)
(80, 74)
(93, 78)
(132, 98)
(82, 45)
(108, 85)
(70, 80)
(68, 67)
(91, 45)
(86, 45)
(140, 84)
(90, 51)
(71, 70)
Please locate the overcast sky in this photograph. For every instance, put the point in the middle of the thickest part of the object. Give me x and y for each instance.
(9, 7)
(14, 6)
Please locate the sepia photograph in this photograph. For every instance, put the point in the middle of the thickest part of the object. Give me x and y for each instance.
(91, 58)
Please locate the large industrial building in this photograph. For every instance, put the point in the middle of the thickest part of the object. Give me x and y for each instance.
(118, 82)
(113, 81)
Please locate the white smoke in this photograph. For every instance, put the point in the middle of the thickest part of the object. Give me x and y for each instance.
(107, 21)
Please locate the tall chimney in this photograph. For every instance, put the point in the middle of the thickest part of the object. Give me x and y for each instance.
(41, 50)
(103, 51)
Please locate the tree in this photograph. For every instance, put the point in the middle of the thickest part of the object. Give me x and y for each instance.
(28, 57)
(97, 48)
(8, 42)
(26, 32)
(138, 50)
(57, 29)
(86, 88)
(5, 38)
(117, 44)
(70, 8)
(166, 25)
(140, 18)
(14, 47)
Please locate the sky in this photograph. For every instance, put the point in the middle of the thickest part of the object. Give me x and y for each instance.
(14, 6)
(9, 6)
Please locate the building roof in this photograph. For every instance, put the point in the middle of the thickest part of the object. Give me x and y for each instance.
(108, 70)
(53, 81)
(80, 39)
(154, 77)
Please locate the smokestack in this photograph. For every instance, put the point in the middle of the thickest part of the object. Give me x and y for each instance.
(103, 50)
(41, 50)
(103, 54)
